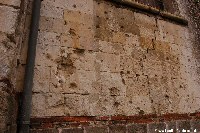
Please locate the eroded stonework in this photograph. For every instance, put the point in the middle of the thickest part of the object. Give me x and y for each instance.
(95, 59)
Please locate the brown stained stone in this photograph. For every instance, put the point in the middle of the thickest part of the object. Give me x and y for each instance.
(74, 130)
(146, 43)
(137, 128)
(44, 131)
(96, 130)
(171, 126)
(117, 129)
(183, 125)
(156, 127)
(195, 125)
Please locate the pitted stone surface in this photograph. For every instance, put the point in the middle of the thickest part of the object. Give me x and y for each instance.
(94, 58)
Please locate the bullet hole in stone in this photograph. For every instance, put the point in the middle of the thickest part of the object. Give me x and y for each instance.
(123, 81)
(128, 72)
(121, 72)
(62, 51)
(114, 91)
(72, 32)
(137, 75)
(18, 62)
(127, 35)
(116, 104)
(73, 85)
(181, 86)
(122, 27)
(141, 112)
(48, 56)
(79, 51)
(66, 64)
(97, 26)
(60, 81)
(166, 96)
(97, 16)
(167, 58)
(151, 101)
(65, 23)
(74, 6)
(11, 37)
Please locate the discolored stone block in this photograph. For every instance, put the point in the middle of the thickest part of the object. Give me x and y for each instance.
(117, 129)
(8, 19)
(96, 129)
(156, 127)
(195, 125)
(75, 130)
(183, 125)
(137, 128)
(44, 131)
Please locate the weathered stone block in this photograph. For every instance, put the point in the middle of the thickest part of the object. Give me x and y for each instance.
(137, 128)
(96, 129)
(75, 130)
(195, 125)
(39, 105)
(48, 9)
(183, 125)
(41, 79)
(8, 19)
(117, 129)
(156, 127)
(53, 25)
(147, 25)
(171, 126)
(108, 62)
(44, 131)
(11, 2)
(55, 100)
(76, 105)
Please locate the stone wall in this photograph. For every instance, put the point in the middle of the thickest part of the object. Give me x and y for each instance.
(117, 67)
(96, 58)
(12, 14)
(173, 123)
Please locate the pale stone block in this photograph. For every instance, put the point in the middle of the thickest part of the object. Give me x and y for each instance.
(53, 25)
(103, 106)
(41, 79)
(147, 25)
(85, 80)
(8, 19)
(47, 56)
(39, 105)
(76, 105)
(49, 38)
(48, 9)
(85, 62)
(108, 62)
(55, 99)
(140, 105)
(11, 2)
(111, 84)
